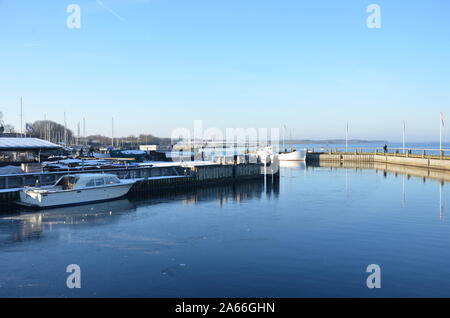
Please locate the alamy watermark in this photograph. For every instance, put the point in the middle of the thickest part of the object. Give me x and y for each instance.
(227, 141)
(74, 279)
(374, 279)
(74, 19)
(374, 19)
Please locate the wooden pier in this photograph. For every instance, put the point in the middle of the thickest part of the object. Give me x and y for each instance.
(199, 176)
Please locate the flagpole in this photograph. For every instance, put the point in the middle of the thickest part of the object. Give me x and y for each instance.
(404, 127)
(346, 139)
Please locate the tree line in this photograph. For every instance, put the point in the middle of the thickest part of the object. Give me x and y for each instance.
(57, 133)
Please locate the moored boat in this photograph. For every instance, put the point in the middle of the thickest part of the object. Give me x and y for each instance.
(293, 155)
(138, 155)
(76, 189)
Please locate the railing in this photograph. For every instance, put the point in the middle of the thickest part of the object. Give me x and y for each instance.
(430, 153)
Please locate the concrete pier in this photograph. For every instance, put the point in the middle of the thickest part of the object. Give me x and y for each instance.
(424, 161)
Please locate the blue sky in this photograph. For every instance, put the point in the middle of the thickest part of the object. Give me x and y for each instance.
(161, 64)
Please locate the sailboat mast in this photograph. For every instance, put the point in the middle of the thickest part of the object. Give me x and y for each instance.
(65, 130)
(112, 132)
(84, 131)
(21, 117)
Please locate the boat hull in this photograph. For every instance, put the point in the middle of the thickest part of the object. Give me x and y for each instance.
(292, 156)
(39, 199)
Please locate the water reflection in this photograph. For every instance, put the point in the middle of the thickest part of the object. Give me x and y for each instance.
(441, 202)
(291, 168)
(29, 225)
(293, 164)
(409, 171)
(316, 238)
(237, 192)
(403, 191)
(406, 171)
(32, 225)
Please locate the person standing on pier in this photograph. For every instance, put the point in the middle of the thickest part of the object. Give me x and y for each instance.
(385, 148)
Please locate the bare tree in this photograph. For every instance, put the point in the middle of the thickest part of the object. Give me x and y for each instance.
(52, 131)
(5, 128)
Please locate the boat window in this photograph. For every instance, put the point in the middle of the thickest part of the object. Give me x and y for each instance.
(90, 184)
(67, 182)
(112, 180)
(99, 182)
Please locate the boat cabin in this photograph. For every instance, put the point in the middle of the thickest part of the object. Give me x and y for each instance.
(81, 181)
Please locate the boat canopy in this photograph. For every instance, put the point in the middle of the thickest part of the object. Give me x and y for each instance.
(88, 180)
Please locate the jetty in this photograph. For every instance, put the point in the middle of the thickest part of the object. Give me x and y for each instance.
(422, 158)
(150, 179)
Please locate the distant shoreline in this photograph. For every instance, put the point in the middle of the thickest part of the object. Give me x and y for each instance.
(336, 141)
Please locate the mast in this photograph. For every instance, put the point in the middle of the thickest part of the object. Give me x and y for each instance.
(45, 127)
(84, 131)
(65, 130)
(290, 137)
(346, 139)
(404, 129)
(112, 132)
(78, 134)
(21, 117)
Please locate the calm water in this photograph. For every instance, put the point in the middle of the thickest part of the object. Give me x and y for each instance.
(313, 234)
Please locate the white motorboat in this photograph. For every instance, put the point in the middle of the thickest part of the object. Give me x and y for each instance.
(76, 189)
(293, 155)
